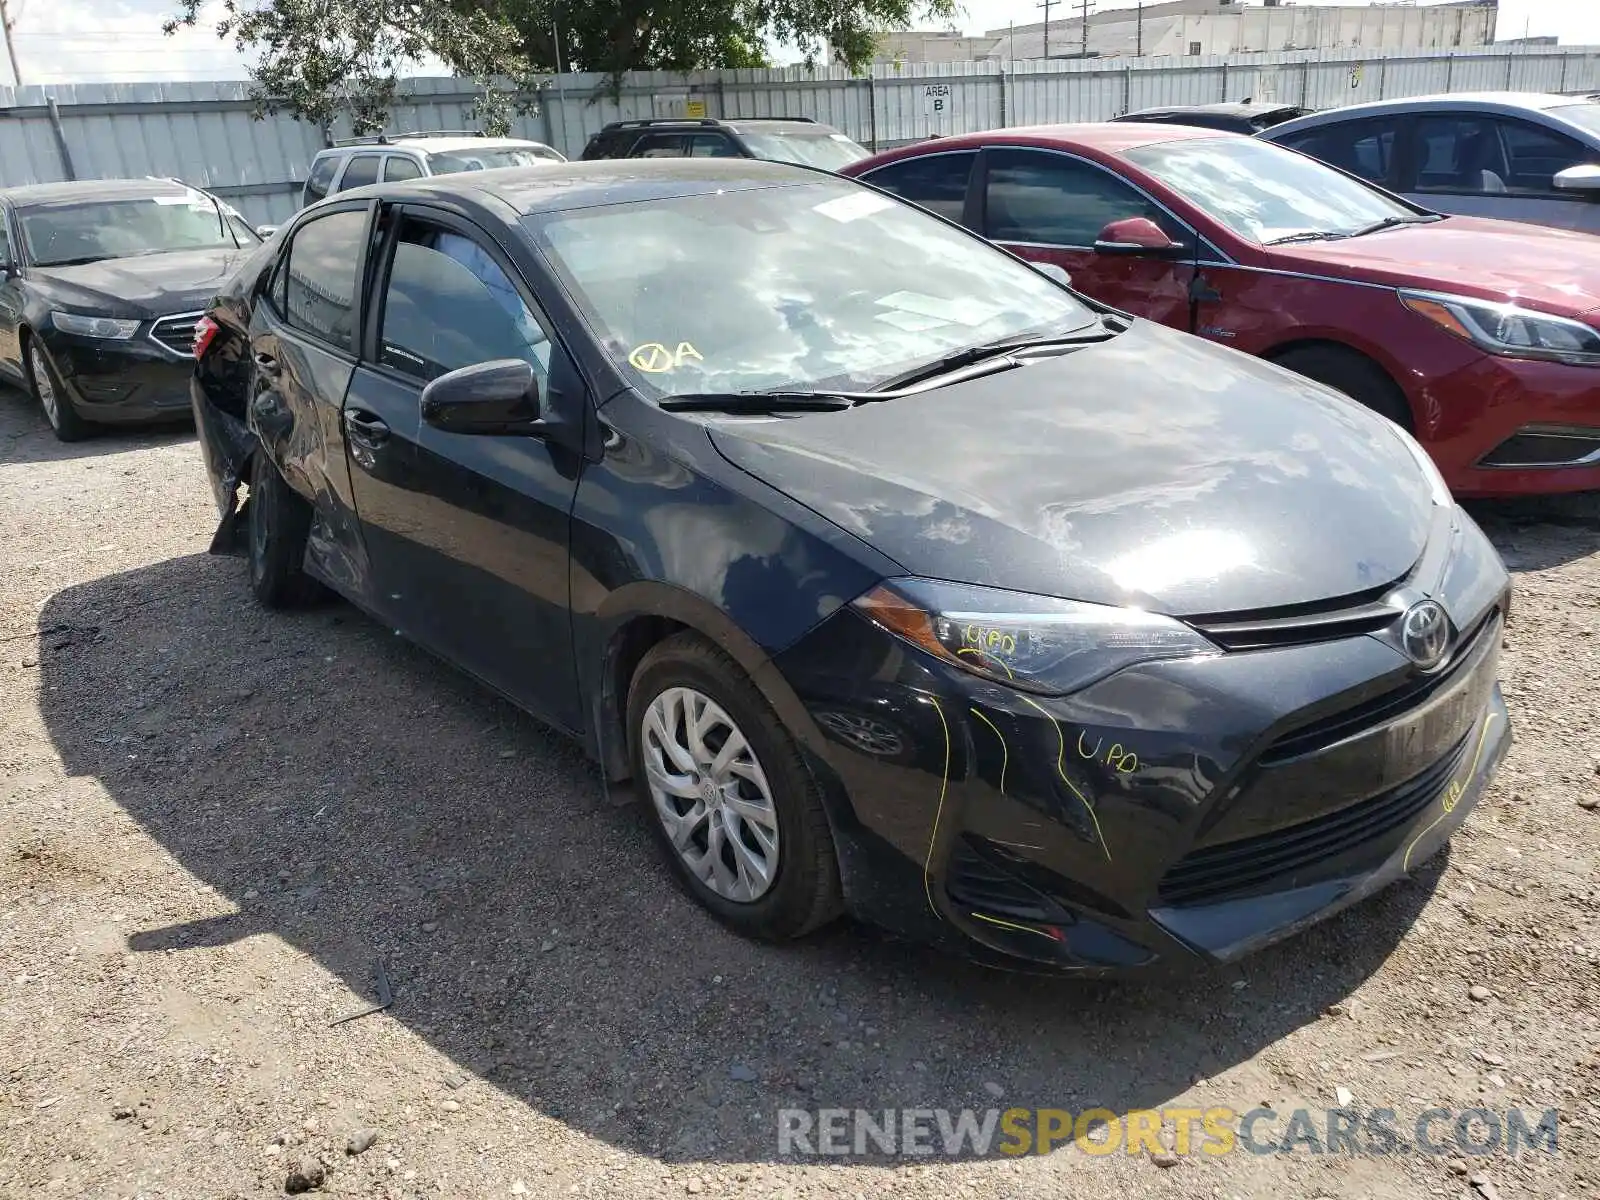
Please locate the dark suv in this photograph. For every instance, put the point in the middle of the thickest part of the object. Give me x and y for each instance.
(781, 139)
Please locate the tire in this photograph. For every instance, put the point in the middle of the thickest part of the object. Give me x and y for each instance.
(278, 522)
(801, 891)
(1357, 376)
(44, 384)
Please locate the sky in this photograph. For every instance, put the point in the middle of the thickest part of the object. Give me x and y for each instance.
(82, 41)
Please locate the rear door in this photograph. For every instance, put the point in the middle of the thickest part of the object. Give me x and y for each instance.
(11, 298)
(1048, 206)
(467, 533)
(304, 340)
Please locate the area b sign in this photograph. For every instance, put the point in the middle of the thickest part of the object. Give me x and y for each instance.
(936, 99)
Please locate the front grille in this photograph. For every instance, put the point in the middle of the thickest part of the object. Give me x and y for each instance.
(1234, 869)
(1347, 722)
(176, 333)
(1301, 624)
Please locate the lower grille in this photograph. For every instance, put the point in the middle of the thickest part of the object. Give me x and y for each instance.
(176, 333)
(977, 883)
(1234, 869)
(1547, 446)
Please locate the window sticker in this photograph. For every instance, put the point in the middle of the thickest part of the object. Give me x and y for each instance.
(655, 358)
(856, 205)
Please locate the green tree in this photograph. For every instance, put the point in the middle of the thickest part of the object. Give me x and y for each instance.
(321, 58)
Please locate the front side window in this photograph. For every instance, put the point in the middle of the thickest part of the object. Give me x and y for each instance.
(64, 234)
(659, 145)
(321, 177)
(937, 182)
(1459, 153)
(448, 304)
(1265, 193)
(1535, 155)
(319, 284)
(712, 145)
(830, 151)
(807, 285)
(1052, 200)
(361, 170)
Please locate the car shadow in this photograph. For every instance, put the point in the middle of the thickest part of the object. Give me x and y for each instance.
(1537, 533)
(26, 436)
(363, 802)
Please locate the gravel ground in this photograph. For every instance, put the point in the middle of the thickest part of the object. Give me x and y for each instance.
(215, 821)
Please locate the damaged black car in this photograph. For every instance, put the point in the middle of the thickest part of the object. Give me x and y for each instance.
(891, 575)
(101, 283)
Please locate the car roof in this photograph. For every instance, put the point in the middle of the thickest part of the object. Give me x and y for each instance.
(564, 186)
(449, 145)
(80, 190)
(1504, 103)
(1109, 137)
(1232, 108)
(735, 124)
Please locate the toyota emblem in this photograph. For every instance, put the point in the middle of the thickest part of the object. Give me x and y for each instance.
(1425, 634)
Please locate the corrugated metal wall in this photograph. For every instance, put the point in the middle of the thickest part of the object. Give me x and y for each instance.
(204, 132)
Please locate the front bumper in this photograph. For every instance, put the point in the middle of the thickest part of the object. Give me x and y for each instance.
(1469, 417)
(1172, 814)
(121, 382)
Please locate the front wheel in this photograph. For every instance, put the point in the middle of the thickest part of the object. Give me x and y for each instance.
(51, 395)
(735, 810)
(1357, 376)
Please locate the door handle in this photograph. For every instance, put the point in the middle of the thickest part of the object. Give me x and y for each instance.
(365, 427)
(266, 364)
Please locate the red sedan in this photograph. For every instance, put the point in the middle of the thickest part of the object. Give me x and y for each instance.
(1481, 337)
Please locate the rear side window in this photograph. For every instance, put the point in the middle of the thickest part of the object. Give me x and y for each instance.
(363, 169)
(1460, 154)
(1364, 148)
(712, 145)
(400, 167)
(320, 280)
(321, 176)
(659, 145)
(937, 182)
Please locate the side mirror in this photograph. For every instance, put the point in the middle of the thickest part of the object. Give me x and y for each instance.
(1583, 178)
(499, 397)
(1054, 272)
(1137, 236)
(265, 232)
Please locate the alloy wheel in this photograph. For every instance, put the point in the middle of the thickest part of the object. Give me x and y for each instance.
(44, 385)
(710, 794)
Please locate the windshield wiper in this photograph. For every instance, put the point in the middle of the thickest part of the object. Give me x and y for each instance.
(1305, 235)
(763, 402)
(1003, 354)
(75, 262)
(1392, 222)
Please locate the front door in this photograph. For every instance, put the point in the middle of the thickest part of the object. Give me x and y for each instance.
(467, 533)
(1047, 206)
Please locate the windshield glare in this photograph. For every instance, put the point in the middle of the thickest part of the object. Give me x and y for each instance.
(1263, 192)
(65, 233)
(487, 160)
(1586, 115)
(805, 286)
(831, 151)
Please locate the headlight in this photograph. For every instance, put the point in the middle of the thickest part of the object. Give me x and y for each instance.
(1037, 643)
(1508, 330)
(1425, 464)
(95, 327)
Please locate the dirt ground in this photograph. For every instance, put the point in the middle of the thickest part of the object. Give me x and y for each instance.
(214, 822)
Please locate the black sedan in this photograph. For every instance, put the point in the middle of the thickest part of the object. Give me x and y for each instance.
(101, 282)
(895, 576)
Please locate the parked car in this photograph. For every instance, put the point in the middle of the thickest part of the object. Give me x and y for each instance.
(781, 139)
(1479, 336)
(356, 162)
(101, 283)
(1241, 116)
(897, 576)
(1515, 156)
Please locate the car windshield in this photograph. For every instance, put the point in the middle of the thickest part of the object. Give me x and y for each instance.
(806, 286)
(1586, 114)
(1263, 192)
(487, 159)
(82, 232)
(830, 151)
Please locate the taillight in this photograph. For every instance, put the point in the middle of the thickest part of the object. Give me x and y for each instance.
(205, 332)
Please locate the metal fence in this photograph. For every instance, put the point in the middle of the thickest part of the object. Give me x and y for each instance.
(205, 133)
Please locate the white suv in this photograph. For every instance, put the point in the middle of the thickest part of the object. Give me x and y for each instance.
(389, 157)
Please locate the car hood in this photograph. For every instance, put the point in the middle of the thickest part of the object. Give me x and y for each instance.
(147, 285)
(1557, 270)
(1154, 470)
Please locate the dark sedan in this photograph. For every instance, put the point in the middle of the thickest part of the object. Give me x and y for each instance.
(895, 576)
(101, 282)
